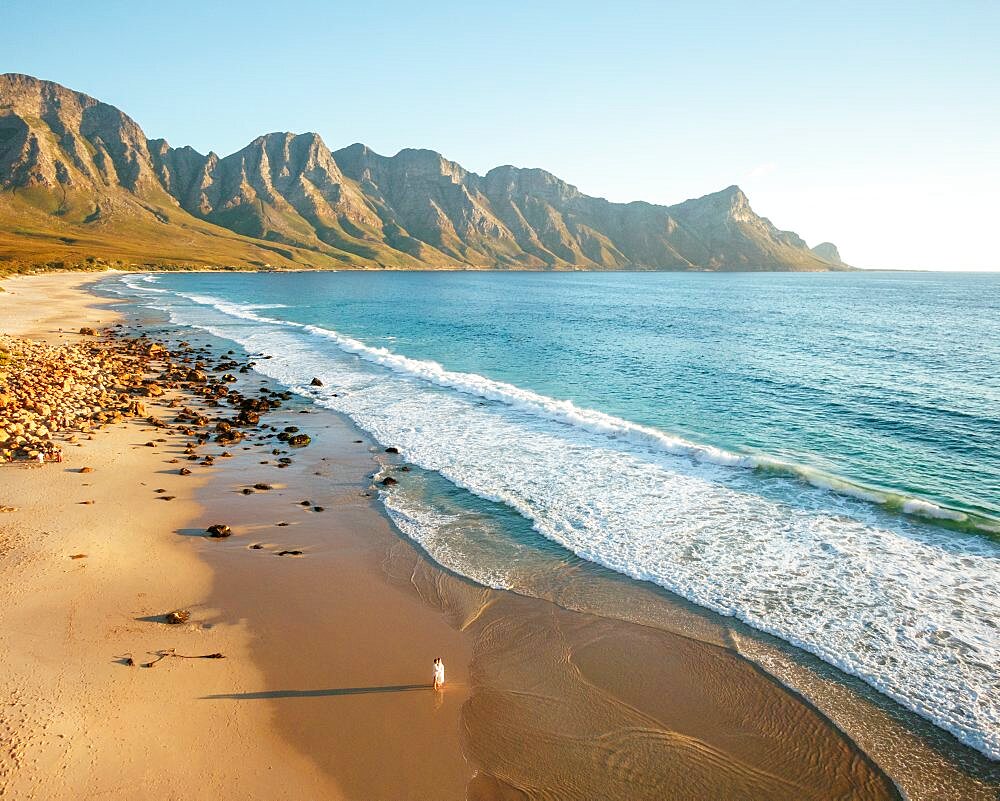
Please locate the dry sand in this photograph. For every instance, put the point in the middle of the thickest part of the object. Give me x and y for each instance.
(77, 723)
(324, 689)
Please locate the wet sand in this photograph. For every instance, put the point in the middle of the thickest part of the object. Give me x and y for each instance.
(324, 692)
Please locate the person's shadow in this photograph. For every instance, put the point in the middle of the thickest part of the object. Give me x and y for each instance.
(333, 691)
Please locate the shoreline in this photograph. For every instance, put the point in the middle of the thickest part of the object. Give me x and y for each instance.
(331, 644)
(259, 762)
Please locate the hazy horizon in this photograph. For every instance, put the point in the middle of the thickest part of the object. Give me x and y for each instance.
(873, 128)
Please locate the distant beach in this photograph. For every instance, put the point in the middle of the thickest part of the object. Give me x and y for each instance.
(327, 617)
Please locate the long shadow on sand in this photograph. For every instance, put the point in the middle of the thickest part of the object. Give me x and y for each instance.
(264, 695)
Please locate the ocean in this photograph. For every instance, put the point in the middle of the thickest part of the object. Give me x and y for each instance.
(816, 455)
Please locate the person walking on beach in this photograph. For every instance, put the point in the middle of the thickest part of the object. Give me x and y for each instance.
(438, 674)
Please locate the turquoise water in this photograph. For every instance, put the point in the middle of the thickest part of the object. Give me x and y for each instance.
(817, 455)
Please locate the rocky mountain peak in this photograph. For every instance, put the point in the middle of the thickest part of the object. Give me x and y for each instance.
(52, 136)
(287, 196)
(520, 181)
(828, 252)
(423, 163)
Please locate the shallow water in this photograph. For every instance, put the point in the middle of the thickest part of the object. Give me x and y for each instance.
(785, 449)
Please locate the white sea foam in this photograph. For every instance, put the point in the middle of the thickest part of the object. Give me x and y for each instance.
(142, 282)
(909, 609)
(914, 506)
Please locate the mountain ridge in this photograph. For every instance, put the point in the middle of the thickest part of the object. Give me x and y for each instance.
(79, 179)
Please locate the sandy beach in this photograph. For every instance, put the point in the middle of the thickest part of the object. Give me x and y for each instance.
(324, 688)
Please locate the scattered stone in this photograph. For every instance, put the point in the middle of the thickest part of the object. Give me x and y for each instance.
(184, 471)
(392, 449)
(218, 530)
(85, 470)
(68, 389)
(282, 524)
(247, 417)
(289, 553)
(318, 509)
(256, 546)
(247, 491)
(315, 383)
(78, 556)
(299, 440)
(262, 486)
(388, 481)
(177, 616)
(88, 332)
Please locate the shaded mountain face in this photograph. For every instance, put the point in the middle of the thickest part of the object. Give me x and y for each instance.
(84, 169)
(66, 143)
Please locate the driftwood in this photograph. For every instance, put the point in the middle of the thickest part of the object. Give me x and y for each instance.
(169, 652)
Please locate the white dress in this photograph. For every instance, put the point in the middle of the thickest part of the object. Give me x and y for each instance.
(439, 673)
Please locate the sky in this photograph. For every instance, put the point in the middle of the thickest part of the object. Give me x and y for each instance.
(873, 125)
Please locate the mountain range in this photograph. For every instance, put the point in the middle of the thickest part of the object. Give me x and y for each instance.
(81, 183)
